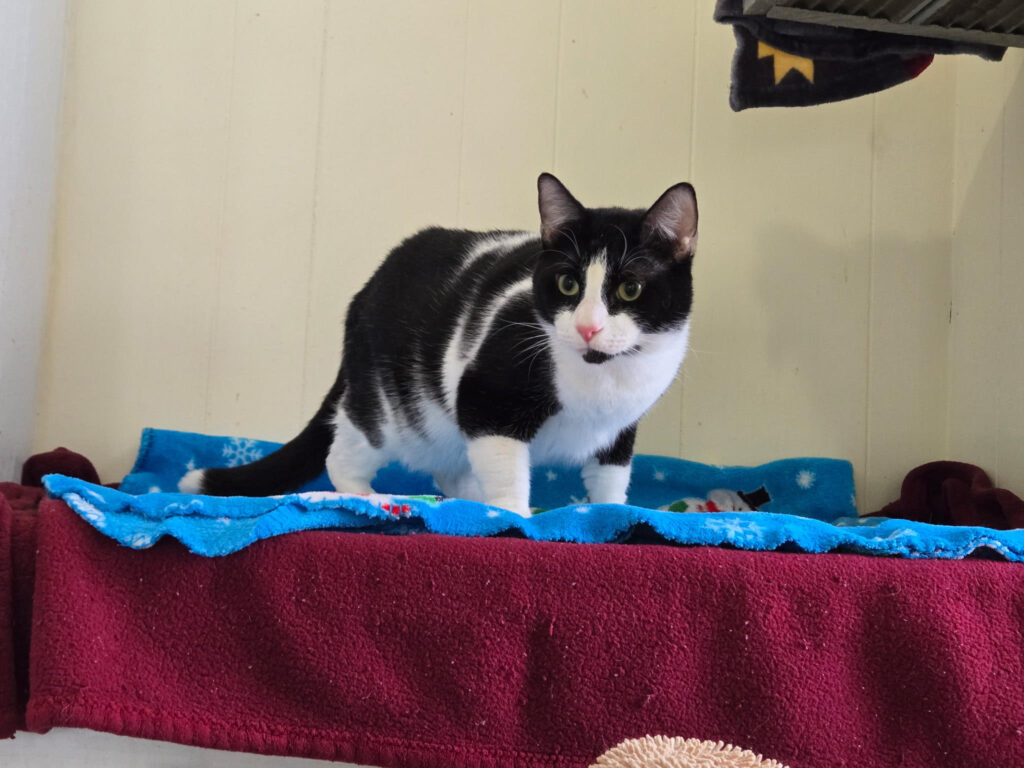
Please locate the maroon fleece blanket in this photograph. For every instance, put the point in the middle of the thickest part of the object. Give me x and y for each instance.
(17, 558)
(955, 493)
(442, 651)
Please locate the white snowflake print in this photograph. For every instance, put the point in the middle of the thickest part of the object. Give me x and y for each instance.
(241, 450)
(735, 530)
(551, 476)
(191, 464)
(902, 533)
(805, 478)
(88, 511)
(659, 476)
(319, 496)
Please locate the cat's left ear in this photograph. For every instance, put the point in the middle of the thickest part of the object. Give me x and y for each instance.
(673, 219)
(559, 210)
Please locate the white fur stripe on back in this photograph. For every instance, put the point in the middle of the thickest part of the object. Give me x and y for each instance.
(501, 243)
(455, 360)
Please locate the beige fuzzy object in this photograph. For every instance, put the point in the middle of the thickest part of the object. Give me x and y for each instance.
(664, 752)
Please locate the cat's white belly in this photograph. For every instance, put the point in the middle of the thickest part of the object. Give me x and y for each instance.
(438, 448)
(569, 437)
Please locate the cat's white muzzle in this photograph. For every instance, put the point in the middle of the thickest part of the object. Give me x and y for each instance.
(616, 333)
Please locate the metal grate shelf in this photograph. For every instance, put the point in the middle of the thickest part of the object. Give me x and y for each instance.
(995, 22)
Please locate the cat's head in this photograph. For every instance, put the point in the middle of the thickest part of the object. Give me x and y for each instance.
(609, 278)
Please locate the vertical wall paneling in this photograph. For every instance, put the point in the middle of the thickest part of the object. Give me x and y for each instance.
(625, 99)
(510, 81)
(265, 243)
(390, 138)
(139, 224)
(986, 413)
(1010, 373)
(977, 352)
(910, 290)
(780, 326)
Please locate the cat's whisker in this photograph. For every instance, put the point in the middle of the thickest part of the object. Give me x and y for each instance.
(534, 344)
(563, 254)
(522, 352)
(575, 243)
(625, 245)
(532, 330)
(634, 254)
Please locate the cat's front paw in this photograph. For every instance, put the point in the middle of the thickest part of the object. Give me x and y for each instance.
(512, 505)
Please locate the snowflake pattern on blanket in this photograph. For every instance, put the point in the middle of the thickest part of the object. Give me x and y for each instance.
(804, 505)
(239, 451)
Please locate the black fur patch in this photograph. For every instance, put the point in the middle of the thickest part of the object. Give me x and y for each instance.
(508, 390)
(621, 451)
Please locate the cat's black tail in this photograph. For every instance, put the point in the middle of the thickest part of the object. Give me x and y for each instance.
(289, 467)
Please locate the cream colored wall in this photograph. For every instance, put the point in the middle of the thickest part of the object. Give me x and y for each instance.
(986, 363)
(232, 173)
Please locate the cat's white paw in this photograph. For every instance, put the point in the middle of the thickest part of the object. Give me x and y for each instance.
(512, 505)
(352, 485)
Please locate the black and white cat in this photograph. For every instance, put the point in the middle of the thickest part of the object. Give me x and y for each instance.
(471, 355)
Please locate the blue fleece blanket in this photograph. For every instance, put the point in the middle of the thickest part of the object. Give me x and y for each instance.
(793, 504)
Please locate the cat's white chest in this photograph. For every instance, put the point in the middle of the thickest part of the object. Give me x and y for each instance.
(600, 400)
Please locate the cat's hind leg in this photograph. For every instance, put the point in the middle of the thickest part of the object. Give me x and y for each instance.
(352, 461)
(502, 468)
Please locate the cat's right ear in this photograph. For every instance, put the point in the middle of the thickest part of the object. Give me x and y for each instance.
(558, 208)
(673, 219)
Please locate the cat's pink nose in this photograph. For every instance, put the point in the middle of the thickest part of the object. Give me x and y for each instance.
(589, 331)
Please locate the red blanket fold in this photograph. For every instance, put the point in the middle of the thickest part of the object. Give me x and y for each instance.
(442, 651)
(955, 493)
(17, 567)
(9, 710)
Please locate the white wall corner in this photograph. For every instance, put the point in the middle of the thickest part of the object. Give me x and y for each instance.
(32, 36)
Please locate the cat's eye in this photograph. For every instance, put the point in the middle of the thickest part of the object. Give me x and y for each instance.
(568, 285)
(629, 290)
